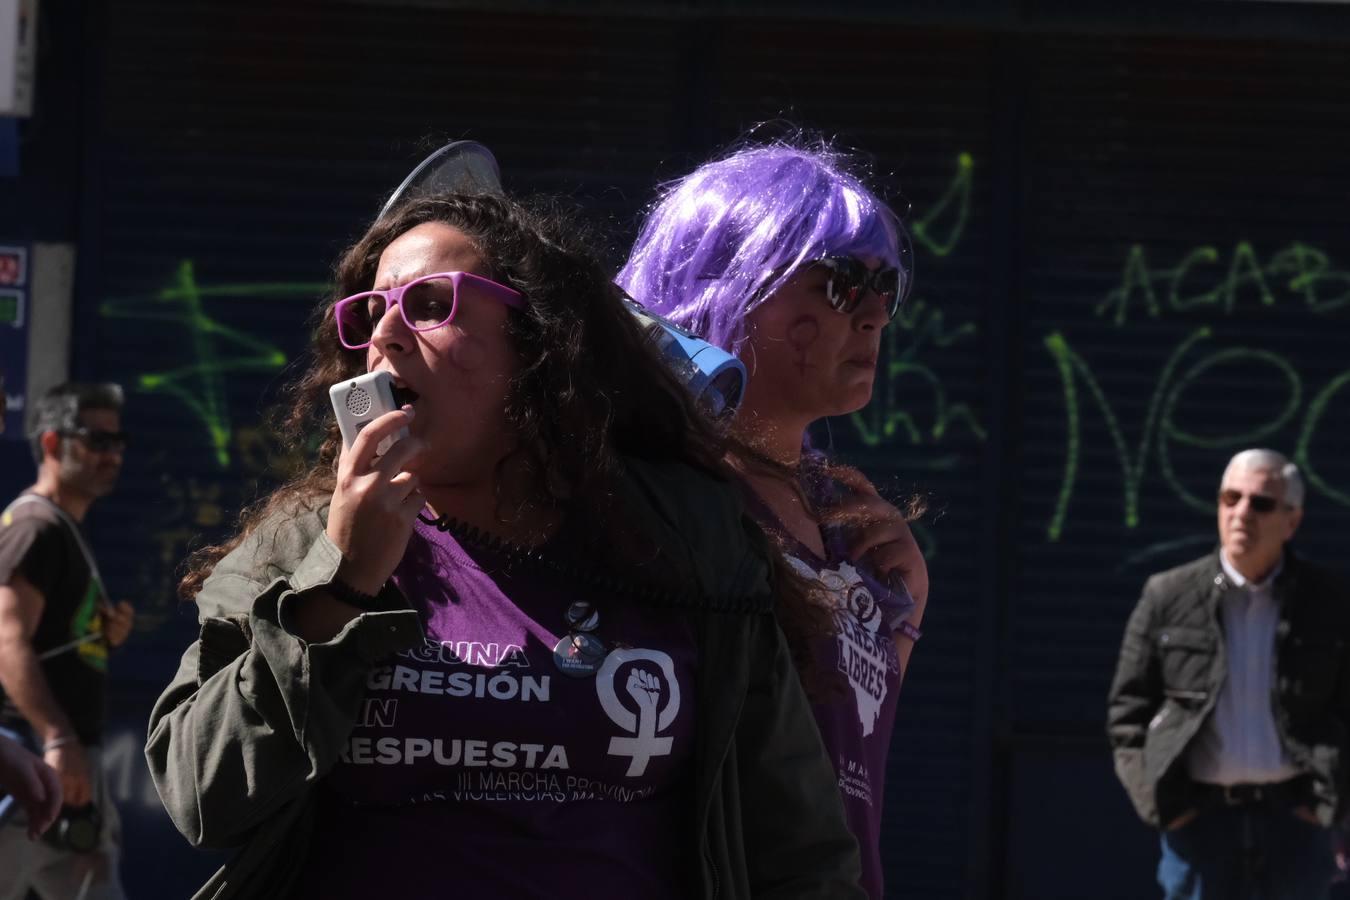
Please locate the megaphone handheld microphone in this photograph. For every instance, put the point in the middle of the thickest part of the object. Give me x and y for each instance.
(715, 378)
(712, 375)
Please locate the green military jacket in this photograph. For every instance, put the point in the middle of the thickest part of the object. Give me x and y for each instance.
(256, 717)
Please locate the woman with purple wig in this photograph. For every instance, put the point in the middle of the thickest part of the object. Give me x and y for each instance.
(777, 254)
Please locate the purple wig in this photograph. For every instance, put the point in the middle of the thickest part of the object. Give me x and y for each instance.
(723, 239)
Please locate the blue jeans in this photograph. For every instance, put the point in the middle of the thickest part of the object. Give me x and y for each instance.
(1246, 853)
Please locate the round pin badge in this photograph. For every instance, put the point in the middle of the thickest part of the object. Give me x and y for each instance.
(579, 655)
(581, 616)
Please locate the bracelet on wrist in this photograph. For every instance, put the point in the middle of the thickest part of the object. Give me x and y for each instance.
(343, 591)
(58, 741)
(909, 631)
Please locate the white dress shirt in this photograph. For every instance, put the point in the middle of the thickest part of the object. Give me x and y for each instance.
(1238, 743)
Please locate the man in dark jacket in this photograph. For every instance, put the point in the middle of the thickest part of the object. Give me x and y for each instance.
(1230, 708)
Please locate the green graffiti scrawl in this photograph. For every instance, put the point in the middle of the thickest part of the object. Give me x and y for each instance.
(918, 326)
(1302, 456)
(1136, 282)
(957, 194)
(885, 417)
(1162, 428)
(1203, 279)
(1172, 432)
(200, 385)
(930, 328)
(1072, 368)
(1297, 277)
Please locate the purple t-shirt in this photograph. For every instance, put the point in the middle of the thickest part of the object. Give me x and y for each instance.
(857, 723)
(479, 768)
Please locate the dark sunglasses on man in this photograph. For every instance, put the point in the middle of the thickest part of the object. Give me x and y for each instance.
(99, 441)
(850, 280)
(1259, 503)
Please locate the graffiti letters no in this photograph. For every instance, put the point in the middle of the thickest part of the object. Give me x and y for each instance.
(1223, 285)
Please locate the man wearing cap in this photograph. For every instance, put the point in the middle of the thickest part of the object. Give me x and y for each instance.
(1229, 713)
(56, 628)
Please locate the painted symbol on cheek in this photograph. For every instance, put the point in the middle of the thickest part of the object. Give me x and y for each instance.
(801, 334)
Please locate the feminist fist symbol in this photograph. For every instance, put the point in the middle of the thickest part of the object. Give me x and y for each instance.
(652, 701)
(645, 689)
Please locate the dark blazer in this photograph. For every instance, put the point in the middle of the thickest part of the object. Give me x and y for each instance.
(1173, 664)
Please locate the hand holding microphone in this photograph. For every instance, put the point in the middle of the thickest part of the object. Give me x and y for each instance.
(376, 501)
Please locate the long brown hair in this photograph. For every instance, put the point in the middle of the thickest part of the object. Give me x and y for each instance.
(590, 388)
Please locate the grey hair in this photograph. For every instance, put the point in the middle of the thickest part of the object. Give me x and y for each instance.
(1271, 461)
(59, 409)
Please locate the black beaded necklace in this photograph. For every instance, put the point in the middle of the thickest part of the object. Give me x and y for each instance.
(589, 577)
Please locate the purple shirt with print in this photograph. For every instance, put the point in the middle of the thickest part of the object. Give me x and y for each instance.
(478, 768)
(856, 723)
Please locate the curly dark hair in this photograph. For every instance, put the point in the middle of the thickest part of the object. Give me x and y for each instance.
(591, 388)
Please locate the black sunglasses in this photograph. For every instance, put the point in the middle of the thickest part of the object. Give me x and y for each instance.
(1258, 502)
(99, 441)
(850, 280)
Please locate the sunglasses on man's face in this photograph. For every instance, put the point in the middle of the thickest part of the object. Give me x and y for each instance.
(850, 280)
(99, 441)
(1259, 503)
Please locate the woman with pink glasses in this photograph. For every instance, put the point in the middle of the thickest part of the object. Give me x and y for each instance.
(529, 651)
(778, 254)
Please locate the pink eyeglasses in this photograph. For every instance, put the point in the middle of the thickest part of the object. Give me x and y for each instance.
(425, 303)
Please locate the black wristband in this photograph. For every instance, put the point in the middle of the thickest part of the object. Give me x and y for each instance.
(352, 597)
